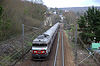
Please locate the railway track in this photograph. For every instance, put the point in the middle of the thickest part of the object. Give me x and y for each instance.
(57, 49)
(51, 58)
(27, 61)
(60, 54)
(62, 50)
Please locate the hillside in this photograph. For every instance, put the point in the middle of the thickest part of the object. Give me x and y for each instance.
(77, 9)
(18, 12)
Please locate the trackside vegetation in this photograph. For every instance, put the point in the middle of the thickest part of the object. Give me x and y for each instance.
(89, 25)
(5, 26)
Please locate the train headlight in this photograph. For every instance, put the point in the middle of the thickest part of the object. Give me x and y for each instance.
(43, 51)
(34, 51)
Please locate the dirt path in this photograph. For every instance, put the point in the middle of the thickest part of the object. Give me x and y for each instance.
(69, 59)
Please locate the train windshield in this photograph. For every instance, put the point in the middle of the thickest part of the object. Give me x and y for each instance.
(39, 45)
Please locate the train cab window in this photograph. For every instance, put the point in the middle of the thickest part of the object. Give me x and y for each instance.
(45, 35)
(40, 37)
(39, 45)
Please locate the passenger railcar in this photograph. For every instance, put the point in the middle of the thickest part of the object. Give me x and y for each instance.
(41, 46)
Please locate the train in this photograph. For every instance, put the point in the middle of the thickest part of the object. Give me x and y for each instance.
(41, 46)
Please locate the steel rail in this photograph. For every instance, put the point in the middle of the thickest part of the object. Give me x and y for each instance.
(62, 50)
(57, 49)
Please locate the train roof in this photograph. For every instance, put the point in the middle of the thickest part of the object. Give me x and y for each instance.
(51, 30)
(41, 39)
(45, 37)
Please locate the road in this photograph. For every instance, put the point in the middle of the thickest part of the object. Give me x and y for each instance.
(68, 57)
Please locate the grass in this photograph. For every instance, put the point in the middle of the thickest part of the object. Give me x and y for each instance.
(71, 43)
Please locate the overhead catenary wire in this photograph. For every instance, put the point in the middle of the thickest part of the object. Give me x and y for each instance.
(24, 36)
(88, 51)
(31, 27)
(85, 58)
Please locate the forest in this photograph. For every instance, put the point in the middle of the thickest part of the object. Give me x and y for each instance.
(14, 13)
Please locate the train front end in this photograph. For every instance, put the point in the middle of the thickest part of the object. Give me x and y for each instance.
(39, 50)
(39, 47)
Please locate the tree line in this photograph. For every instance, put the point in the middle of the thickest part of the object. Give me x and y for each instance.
(5, 25)
(15, 13)
(89, 25)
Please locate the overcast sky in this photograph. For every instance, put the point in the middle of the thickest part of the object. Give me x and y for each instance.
(71, 3)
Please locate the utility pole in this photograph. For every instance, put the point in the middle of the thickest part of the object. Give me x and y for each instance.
(76, 45)
(22, 39)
